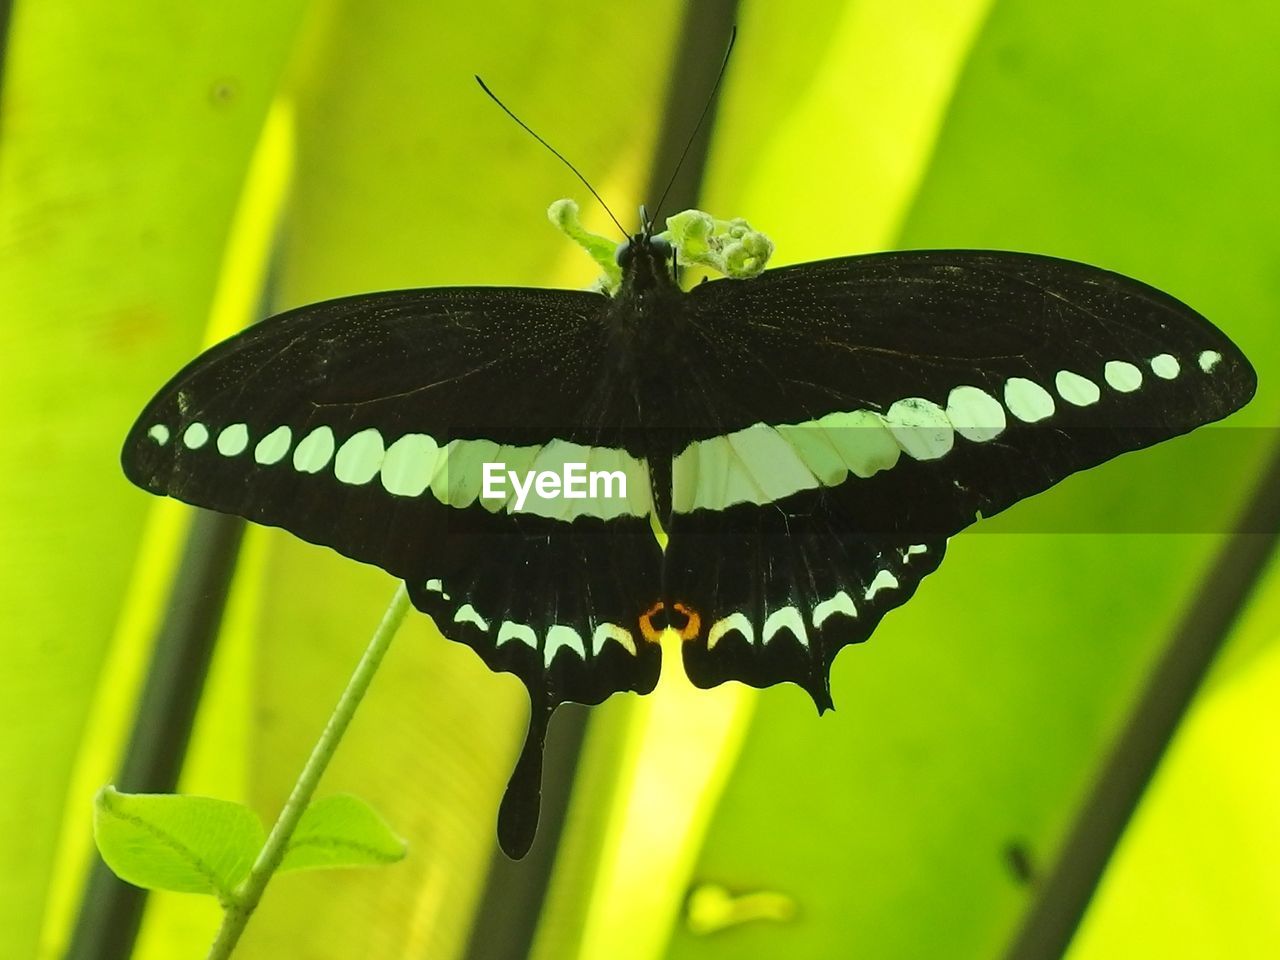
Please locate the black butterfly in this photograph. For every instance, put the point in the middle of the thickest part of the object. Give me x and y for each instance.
(807, 440)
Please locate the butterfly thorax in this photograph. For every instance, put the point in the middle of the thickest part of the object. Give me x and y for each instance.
(644, 327)
(643, 320)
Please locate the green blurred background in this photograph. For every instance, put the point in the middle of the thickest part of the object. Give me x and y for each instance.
(163, 164)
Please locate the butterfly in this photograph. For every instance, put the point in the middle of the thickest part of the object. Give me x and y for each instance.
(782, 459)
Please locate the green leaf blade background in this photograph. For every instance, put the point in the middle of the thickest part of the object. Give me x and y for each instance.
(1133, 135)
(125, 134)
(1203, 851)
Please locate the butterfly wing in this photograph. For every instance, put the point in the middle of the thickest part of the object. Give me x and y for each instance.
(360, 424)
(852, 414)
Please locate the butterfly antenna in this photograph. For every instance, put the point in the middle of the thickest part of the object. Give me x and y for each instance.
(715, 87)
(559, 156)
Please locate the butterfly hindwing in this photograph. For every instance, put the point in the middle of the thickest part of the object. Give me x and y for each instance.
(786, 592)
(551, 617)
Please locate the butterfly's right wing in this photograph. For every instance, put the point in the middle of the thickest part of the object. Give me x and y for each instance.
(362, 424)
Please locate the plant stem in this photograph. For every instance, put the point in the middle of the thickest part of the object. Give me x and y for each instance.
(249, 893)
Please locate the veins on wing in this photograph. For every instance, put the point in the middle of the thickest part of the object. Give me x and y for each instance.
(415, 391)
(541, 349)
(916, 359)
(1105, 322)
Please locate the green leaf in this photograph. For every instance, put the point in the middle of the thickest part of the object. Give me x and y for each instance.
(173, 842)
(341, 831)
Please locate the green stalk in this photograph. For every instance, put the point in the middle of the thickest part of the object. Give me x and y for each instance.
(248, 894)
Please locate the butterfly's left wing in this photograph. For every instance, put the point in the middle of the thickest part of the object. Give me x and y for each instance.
(362, 424)
(846, 417)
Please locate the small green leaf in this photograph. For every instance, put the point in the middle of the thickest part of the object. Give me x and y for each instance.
(181, 843)
(341, 831)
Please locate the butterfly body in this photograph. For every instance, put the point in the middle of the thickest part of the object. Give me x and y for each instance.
(807, 440)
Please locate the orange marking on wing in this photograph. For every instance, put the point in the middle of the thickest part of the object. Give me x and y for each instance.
(694, 625)
(690, 631)
(646, 623)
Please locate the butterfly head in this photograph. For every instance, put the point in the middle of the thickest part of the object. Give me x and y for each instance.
(647, 262)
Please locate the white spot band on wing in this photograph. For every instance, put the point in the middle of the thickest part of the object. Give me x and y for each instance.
(754, 465)
(884, 580)
(735, 621)
(785, 618)
(195, 436)
(975, 414)
(765, 463)
(454, 474)
(233, 440)
(359, 458)
(1027, 400)
(458, 473)
(467, 614)
(314, 451)
(921, 428)
(1165, 366)
(611, 631)
(560, 637)
(1122, 376)
(272, 448)
(840, 603)
(409, 465)
(1075, 389)
(862, 441)
(517, 631)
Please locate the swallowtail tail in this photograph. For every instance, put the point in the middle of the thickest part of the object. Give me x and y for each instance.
(807, 440)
